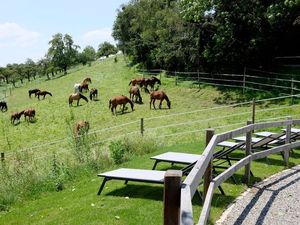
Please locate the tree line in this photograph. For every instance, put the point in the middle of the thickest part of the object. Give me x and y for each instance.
(61, 55)
(207, 35)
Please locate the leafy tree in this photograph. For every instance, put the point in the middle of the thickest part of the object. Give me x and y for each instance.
(88, 55)
(106, 49)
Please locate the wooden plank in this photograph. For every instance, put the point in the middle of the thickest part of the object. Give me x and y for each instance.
(207, 204)
(248, 152)
(218, 180)
(186, 210)
(233, 133)
(287, 140)
(296, 122)
(208, 172)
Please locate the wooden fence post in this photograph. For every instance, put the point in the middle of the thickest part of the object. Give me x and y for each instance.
(287, 140)
(244, 80)
(142, 126)
(292, 91)
(172, 195)
(175, 78)
(208, 172)
(2, 157)
(198, 78)
(253, 111)
(248, 152)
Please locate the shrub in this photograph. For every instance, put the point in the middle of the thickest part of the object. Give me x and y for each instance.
(118, 151)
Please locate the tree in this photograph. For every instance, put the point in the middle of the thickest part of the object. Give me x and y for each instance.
(62, 51)
(106, 49)
(88, 55)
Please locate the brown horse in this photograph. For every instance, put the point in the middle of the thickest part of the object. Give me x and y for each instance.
(30, 113)
(93, 94)
(87, 80)
(76, 96)
(3, 106)
(137, 81)
(119, 100)
(33, 91)
(135, 91)
(159, 95)
(42, 93)
(84, 86)
(151, 81)
(82, 127)
(16, 116)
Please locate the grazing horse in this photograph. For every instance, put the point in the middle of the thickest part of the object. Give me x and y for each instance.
(135, 91)
(137, 81)
(151, 81)
(43, 93)
(3, 106)
(76, 96)
(159, 95)
(30, 113)
(79, 87)
(33, 91)
(16, 116)
(93, 94)
(87, 80)
(119, 100)
(82, 127)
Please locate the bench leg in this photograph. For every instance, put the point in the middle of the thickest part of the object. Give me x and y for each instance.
(126, 182)
(102, 185)
(155, 164)
(221, 190)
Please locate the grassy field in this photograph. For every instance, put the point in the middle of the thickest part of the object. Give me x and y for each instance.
(179, 129)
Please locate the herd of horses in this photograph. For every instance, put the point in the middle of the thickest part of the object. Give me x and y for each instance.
(82, 127)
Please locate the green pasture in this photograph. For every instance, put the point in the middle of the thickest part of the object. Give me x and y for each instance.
(182, 128)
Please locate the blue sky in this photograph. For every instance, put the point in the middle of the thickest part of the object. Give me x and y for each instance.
(27, 26)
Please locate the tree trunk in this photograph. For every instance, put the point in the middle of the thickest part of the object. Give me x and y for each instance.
(21, 81)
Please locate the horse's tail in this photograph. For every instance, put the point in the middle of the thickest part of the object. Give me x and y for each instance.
(46, 92)
(109, 104)
(82, 96)
(29, 94)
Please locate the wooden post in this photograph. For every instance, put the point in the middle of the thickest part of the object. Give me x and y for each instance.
(198, 78)
(2, 156)
(292, 91)
(248, 152)
(208, 172)
(175, 78)
(172, 195)
(244, 80)
(142, 126)
(253, 111)
(287, 140)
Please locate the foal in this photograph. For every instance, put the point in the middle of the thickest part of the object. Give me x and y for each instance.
(119, 100)
(3, 106)
(16, 116)
(93, 94)
(159, 95)
(30, 113)
(135, 91)
(82, 127)
(43, 93)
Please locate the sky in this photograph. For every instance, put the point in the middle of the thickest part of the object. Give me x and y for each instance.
(26, 26)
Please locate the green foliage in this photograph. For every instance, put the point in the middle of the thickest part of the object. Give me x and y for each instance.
(119, 150)
(87, 56)
(106, 49)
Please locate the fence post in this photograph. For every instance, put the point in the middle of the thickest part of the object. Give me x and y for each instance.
(253, 111)
(248, 152)
(292, 91)
(244, 80)
(208, 172)
(175, 78)
(287, 140)
(142, 126)
(198, 78)
(2, 157)
(172, 195)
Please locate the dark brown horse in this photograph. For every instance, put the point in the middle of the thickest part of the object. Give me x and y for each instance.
(151, 81)
(82, 127)
(159, 95)
(119, 100)
(137, 81)
(135, 91)
(3, 106)
(93, 94)
(33, 91)
(87, 80)
(16, 116)
(30, 113)
(84, 86)
(76, 96)
(42, 93)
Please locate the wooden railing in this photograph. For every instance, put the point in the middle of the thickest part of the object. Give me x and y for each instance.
(203, 167)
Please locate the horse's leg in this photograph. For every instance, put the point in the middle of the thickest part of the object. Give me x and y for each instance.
(123, 107)
(150, 103)
(44, 96)
(160, 103)
(154, 103)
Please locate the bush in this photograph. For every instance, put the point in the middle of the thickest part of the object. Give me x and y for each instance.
(118, 151)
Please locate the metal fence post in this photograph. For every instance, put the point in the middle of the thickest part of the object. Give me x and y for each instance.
(208, 172)
(253, 111)
(172, 196)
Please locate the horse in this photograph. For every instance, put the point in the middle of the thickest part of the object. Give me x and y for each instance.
(3, 106)
(135, 91)
(137, 81)
(76, 96)
(159, 95)
(33, 91)
(16, 116)
(43, 93)
(119, 100)
(151, 81)
(87, 80)
(82, 127)
(93, 94)
(79, 87)
(30, 113)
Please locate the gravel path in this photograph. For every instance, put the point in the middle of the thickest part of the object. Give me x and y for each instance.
(274, 201)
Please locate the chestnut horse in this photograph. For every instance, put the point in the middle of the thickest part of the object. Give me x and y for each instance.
(43, 93)
(135, 91)
(30, 113)
(119, 100)
(137, 81)
(76, 96)
(82, 127)
(33, 91)
(159, 95)
(87, 80)
(93, 94)
(16, 116)
(151, 81)
(3, 106)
